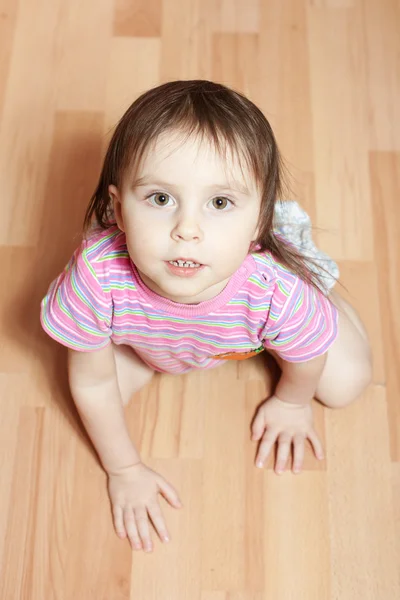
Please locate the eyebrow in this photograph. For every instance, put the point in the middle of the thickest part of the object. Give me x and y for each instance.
(147, 179)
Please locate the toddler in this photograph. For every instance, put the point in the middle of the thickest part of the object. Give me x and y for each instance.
(190, 258)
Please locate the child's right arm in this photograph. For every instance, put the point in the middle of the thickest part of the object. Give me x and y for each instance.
(133, 487)
(94, 388)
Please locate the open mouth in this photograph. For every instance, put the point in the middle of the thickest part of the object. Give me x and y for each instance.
(184, 268)
(185, 264)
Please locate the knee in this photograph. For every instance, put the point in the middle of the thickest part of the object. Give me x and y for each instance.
(130, 387)
(356, 381)
(360, 381)
(126, 397)
(132, 372)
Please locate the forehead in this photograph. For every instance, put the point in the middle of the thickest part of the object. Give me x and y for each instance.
(177, 153)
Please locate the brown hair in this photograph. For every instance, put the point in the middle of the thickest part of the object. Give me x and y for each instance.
(231, 122)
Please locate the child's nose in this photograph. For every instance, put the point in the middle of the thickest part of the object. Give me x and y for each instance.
(187, 229)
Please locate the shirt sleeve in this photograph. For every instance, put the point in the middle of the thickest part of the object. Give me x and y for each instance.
(302, 323)
(77, 311)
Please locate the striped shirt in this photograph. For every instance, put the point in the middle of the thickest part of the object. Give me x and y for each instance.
(100, 297)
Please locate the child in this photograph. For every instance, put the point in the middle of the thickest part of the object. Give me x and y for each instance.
(190, 259)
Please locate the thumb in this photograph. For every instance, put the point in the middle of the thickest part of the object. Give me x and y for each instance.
(258, 426)
(169, 493)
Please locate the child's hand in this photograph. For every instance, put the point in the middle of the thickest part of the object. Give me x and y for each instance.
(285, 423)
(133, 493)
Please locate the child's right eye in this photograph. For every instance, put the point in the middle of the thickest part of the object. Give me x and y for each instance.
(160, 199)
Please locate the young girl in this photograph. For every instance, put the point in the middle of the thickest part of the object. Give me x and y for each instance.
(191, 258)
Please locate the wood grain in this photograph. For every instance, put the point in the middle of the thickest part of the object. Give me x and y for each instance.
(385, 184)
(325, 73)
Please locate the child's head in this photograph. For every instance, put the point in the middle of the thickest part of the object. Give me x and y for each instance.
(192, 171)
(187, 202)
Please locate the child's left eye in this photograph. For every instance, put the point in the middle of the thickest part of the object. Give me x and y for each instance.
(220, 202)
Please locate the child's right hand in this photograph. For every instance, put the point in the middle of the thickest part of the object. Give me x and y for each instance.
(133, 492)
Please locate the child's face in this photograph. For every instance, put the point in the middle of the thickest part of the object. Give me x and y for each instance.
(186, 205)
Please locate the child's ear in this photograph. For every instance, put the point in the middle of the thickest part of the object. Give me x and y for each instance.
(117, 206)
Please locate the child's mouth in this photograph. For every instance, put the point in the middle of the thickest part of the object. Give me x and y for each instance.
(184, 268)
(185, 263)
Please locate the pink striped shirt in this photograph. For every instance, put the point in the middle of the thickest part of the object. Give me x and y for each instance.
(100, 297)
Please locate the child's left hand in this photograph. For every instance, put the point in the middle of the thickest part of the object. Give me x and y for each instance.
(284, 423)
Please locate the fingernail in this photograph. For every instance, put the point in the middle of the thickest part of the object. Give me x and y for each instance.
(166, 538)
(259, 464)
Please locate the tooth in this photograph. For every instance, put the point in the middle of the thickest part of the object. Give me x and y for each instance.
(185, 264)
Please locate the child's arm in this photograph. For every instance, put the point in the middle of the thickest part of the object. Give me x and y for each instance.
(299, 381)
(94, 388)
(133, 490)
(287, 415)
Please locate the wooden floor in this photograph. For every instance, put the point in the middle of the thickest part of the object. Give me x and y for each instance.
(326, 74)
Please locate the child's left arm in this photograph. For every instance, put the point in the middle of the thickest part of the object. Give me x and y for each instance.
(301, 326)
(298, 382)
(287, 415)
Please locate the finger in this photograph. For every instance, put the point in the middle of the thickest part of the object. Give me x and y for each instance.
(284, 444)
(131, 529)
(298, 453)
(158, 522)
(265, 447)
(169, 493)
(258, 426)
(119, 520)
(317, 446)
(142, 523)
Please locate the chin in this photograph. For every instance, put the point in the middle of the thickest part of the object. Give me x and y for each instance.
(180, 291)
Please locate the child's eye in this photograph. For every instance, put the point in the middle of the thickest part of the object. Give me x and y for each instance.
(220, 202)
(160, 198)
